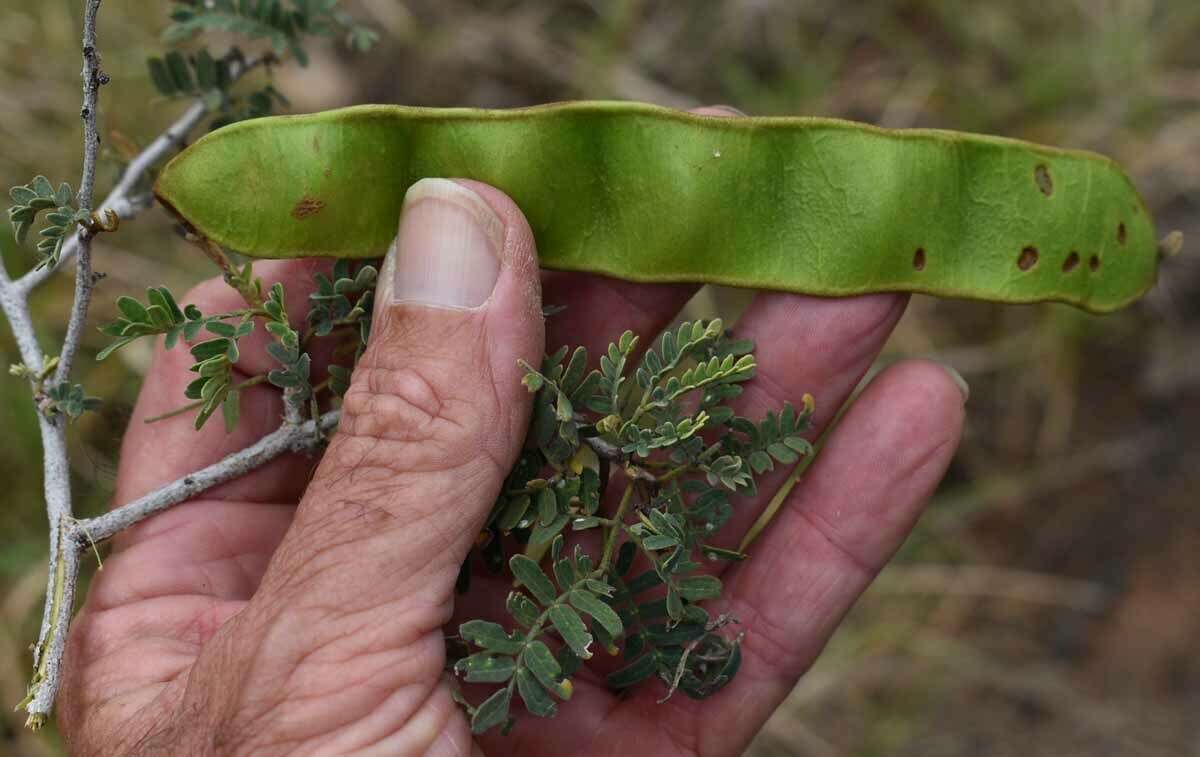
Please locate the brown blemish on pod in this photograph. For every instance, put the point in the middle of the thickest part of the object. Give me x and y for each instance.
(1071, 263)
(1041, 176)
(307, 207)
(919, 259)
(1028, 258)
(1094, 263)
(1121, 232)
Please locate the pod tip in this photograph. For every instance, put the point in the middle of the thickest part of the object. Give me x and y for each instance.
(1171, 245)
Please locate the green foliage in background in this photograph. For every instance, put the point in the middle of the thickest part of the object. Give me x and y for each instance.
(284, 25)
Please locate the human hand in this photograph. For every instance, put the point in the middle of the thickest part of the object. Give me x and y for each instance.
(243, 622)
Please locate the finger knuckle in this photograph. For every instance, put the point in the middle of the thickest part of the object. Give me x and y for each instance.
(395, 404)
(403, 406)
(416, 418)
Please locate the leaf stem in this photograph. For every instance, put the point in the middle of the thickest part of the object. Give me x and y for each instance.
(610, 538)
(233, 277)
(674, 473)
(253, 381)
(781, 495)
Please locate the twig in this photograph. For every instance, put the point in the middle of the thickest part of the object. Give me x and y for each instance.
(233, 277)
(292, 406)
(287, 438)
(93, 76)
(64, 563)
(604, 449)
(16, 308)
(70, 538)
(124, 199)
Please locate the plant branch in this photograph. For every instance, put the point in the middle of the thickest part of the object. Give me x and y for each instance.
(70, 538)
(604, 449)
(84, 282)
(293, 408)
(287, 438)
(244, 285)
(64, 566)
(16, 308)
(67, 535)
(124, 199)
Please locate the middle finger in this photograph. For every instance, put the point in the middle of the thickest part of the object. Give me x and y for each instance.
(802, 344)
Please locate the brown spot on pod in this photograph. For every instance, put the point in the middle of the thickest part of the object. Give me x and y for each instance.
(1028, 258)
(1041, 176)
(308, 206)
(919, 259)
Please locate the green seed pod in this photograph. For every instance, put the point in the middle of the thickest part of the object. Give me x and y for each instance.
(649, 194)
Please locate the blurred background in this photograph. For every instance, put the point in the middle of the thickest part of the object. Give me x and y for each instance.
(1049, 603)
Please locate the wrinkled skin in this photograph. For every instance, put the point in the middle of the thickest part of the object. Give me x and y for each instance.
(300, 611)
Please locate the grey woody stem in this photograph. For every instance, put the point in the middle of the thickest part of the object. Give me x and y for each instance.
(289, 437)
(64, 566)
(123, 198)
(70, 537)
(84, 283)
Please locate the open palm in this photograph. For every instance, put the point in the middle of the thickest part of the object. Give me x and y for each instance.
(304, 613)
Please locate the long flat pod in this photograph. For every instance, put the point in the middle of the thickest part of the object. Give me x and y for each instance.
(645, 193)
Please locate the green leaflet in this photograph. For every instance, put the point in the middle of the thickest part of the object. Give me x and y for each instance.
(646, 193)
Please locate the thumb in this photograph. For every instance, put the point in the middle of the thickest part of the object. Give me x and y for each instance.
(342, 643)
(435, 414)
